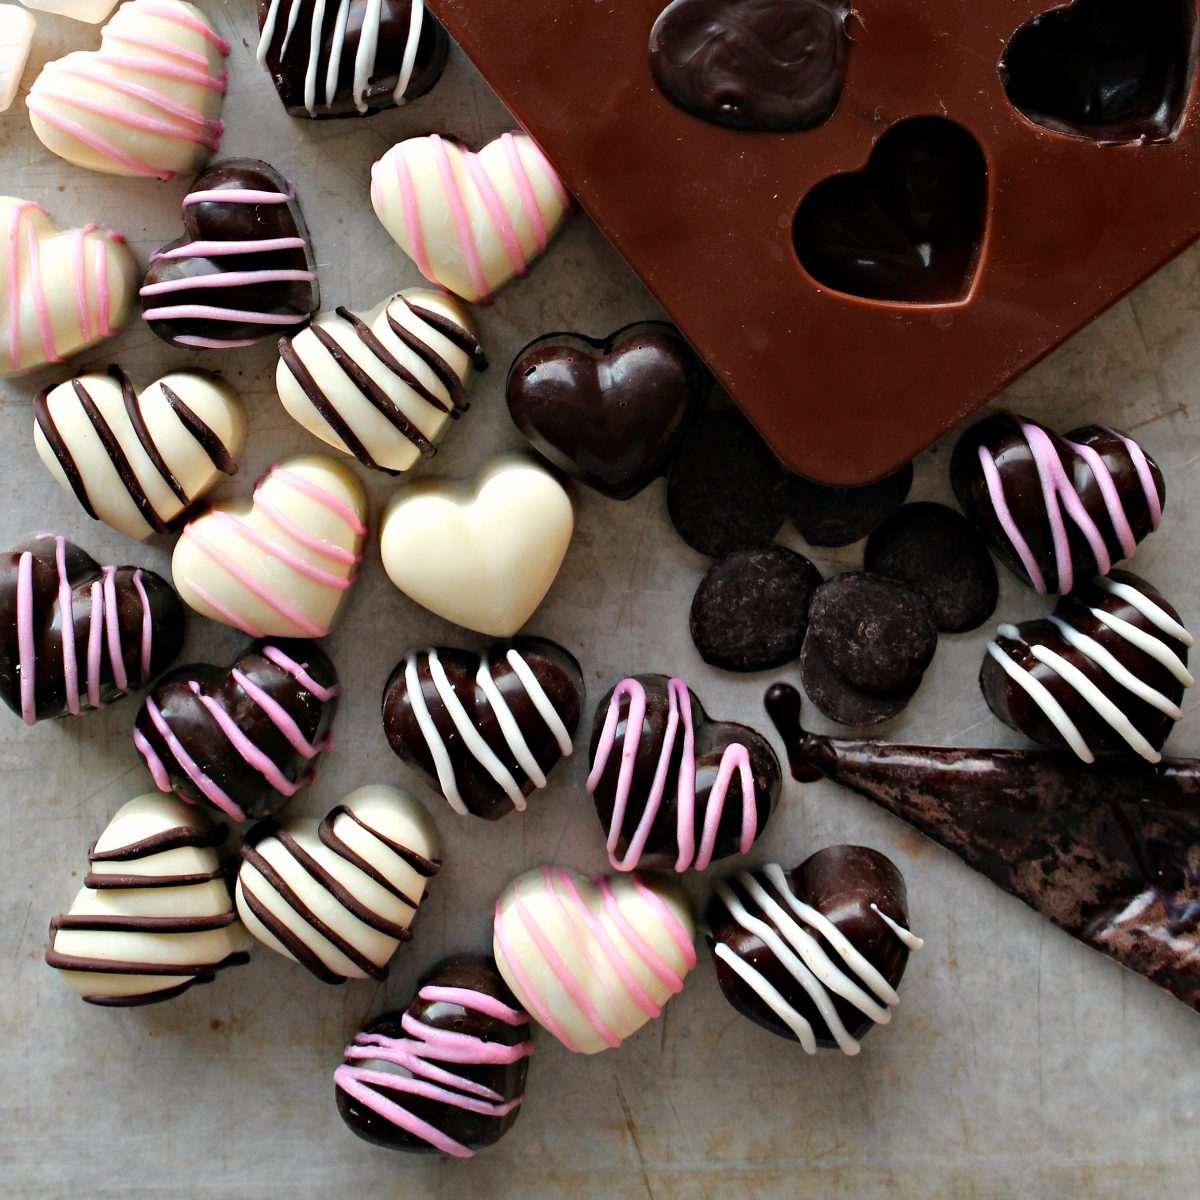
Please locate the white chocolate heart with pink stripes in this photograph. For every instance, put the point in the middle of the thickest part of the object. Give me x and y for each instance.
(470, 222)
(593, 962)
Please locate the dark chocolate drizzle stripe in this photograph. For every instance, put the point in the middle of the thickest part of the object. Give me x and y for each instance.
(390, 361)
(452, 332)
(111, 966)
(45, 422)
(132, 924)
(427, 868)
(157, 843)
(330, 839)
(142, 999)
(206, 437)
(133, 410)
(100, 883)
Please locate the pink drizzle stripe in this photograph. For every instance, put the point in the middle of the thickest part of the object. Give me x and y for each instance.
(462, 219)
(112, 625)
(202, 343)
(353, 1081)
(124, 87)
(38, 290)
(278, 716)
(147, 623)
(478, 1001)
(16, 216)
(103, 289)
(137, 121)
(188, 21)
(412, 213)
(225, 613)
(249, 752)
(81, 295)
(658, 966)
(94, 141)
(206, 786)
(168, 70)
(309, 541)
(300, 565)
(239, 196)
(208, 312)
(451, 1047)
(66, 620)
(1110, 495)
(393, 1047)
(219, 249)
(583, 947)
(158, 769)
(499, 218)
(678, 934)
(1012, 531)
(321, 496)
(1145, 475)
(26, 652)
(550, 173)
(525, 190)
(299, 674)
(227, 279)
(95, 647)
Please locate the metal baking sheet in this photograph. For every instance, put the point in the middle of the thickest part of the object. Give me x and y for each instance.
(1019, 1063)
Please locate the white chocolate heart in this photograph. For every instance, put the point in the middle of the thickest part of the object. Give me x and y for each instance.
(382, 385)
(91, 11)
(469, 221)
(281, 563)
(593, 962)
(147, 103)
(138, 462)
(154, 902)
(338, 897)
(61, 290)
(16, 36)
(481, 553)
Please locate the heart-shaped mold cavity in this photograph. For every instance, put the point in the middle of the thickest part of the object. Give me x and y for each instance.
(909, 227)
(1113, 71)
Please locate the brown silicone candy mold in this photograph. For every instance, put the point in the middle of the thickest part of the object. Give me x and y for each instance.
(992, 213)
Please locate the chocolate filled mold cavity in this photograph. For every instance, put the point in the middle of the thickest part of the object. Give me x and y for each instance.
(1113, 71)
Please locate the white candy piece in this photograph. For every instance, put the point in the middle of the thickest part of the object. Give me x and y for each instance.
(91, 11)
(138, 462)
(339, 897)
(61, 290)
(147, 103)
(281, 563)
(382, 385)
(154, 915)
(593, 962)
(481, 553)
(16, 37)
(469, 221)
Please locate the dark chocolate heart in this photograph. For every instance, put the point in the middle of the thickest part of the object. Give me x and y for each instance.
(664, 807)
(608, 411)
(906, 230)
(770, 65)
(1104, 674)
(388, 53)
(126, 627)
(243, 271)
(769, 931)
(485, 745)
(244, 739)
(1056, 509)
(1109, 70)
(448, 1073)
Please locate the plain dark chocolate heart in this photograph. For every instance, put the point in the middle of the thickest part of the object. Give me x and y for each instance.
(245, 739)
(492, 778)
(1110, 70)
(771, 65)
(610, 411)
(463, 1008)
(907, 229)
(310, 84)
(645, 748)
(853, 887)
(243, 271)
(1014, 479)
(125, 627)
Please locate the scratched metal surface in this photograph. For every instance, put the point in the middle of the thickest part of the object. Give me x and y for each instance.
(1019, 1063)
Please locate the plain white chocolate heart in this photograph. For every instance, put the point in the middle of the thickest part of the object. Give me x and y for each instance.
(469, 221)
(338, 897)
(139, 462)
(281, 563)
(16, 36)
(61, 290)
(481, 553)
(382, 385)
(593, 962)
(147, 103)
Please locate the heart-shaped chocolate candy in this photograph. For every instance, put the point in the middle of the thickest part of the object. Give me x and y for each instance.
(244, 269)
(125, 627)
(608, 411)
(770, 65)
(1110, 70)
(672, 787)
(139, 462)
(483, 553)
(814, 954)
(146, 103)
(469, 221)
(338, 897)
(280, 564)
(61, 290)
(352, 57)
(448, 1073)
(592, 962)
(1103, 675)
(243, 739)
(486, 729)
(907, 229)
(1056, 509)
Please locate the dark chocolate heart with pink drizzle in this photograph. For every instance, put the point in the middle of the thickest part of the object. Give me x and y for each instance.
(125, 626)
(245, 739)
(672, 787)
(1057, 510)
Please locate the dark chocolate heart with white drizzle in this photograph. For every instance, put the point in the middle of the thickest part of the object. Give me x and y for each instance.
(125, 627)
(245, 739)
(244, 269)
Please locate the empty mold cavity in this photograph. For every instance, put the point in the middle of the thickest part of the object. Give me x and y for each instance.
(768, 65)
(1114, 71)
(908, 228)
